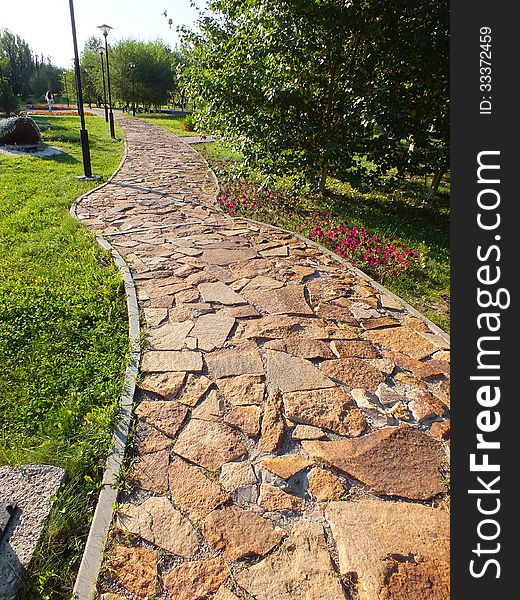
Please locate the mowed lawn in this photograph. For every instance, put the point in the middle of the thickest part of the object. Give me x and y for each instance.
(63, 337)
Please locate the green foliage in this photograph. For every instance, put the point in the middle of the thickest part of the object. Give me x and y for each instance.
(153, 77)
(8, 101)
(63, 338)
(310, 87)
(188, 123)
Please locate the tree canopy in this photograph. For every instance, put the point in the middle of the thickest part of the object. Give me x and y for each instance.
(321, 86)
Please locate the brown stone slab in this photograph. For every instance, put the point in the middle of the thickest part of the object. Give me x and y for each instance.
(394, 461)
(353, 372)
(290, 373)
(171, 361)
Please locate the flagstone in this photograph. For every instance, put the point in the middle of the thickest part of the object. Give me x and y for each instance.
(354, 349)
(403, 339)
(240, 533)
(135, 569)
(288, 300)
(245, 418)
(368, 533)
(195, 580)
(308, 432)
(155, 316)
(290, 373)
(273, 426)
(302, 347)
(260, 283)
(164, 415)
(221, 293)
(353, 372)
(273, 498)
(171, 361)
(209, 444)
(393, 461)
(234, 361)
(196, 387)
(286, 466)
(242, 389)
(167, 385)
(223, 257)
(212, 331)
(192, 491)
(324, 485)
(158, 522)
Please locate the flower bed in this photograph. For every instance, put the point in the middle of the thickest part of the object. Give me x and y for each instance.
(381, 257)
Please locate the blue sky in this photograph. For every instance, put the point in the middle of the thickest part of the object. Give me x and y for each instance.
(45, 25)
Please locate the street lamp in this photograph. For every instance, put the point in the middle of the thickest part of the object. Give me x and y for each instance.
(101, 51)
(106, 30)
(132, 66)
(83, 134)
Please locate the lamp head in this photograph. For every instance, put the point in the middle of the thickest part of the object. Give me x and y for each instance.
(105, 29)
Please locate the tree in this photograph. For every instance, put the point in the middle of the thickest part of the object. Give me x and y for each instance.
(8, 101)
(308, 86)
(20, 61)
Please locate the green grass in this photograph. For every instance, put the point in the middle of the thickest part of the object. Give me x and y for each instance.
(63, 338)
(171, 123)
(386, 211)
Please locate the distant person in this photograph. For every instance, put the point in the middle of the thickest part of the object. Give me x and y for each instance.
(50, 99)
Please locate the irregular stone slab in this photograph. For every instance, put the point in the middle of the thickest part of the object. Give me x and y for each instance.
(170, 336)
(272, 423)
(300, 570)
(356, 422)
(242, 389)
(380, 322)
(394, 461)
(148, 439)
(275, 499)
(260, 283)
(192, 491)
(428, 580)
(290, 373)
(30, 490)
(416, 324)
(286, 466)
(234, 475)
(289, 300)
(354, 372)
(425, 406)
(240, 312)
(271, 327)
(208, 444)
(333, 312)
(324, 485)
(135, 569)
(240, 533)
(158, 522)
(167, 385)
(246, 418)
(221, 293)
(302, 347)
(151, 472)
(224, 593)
(223, 257)
(195, 388)
(354, 349)
(403, 339)
(210, 409)
(155, 316)
(441, 429)
(308, 432)
(195, 580)
(171, 361)
(234, 361)
(276, 251)
(390, 303)
(186, 296)
(164, 415)
(431, 369)
(212, 331)
(361, 311)
(367, 533)
(326, 408)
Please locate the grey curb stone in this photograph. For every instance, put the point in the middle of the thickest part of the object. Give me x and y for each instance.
(85, 585)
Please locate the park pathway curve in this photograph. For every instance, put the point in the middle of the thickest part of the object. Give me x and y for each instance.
(291, 421)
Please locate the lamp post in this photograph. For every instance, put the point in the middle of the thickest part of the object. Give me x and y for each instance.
(101, 51)
(106, 30)
(83, 134)
(132, 66)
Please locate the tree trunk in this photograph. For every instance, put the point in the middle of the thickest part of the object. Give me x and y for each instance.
(436, 181)
(323, 176)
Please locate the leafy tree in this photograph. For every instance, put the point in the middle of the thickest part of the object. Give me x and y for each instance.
(8, 101)
(20, 61)
(310, 86)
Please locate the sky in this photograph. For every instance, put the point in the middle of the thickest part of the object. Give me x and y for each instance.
(45, 25)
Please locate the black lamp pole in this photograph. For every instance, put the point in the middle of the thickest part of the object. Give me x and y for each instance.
(105, 29)
(132, 66)
(83, 134)
(104, 85)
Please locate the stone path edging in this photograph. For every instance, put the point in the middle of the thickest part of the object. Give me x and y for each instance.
(445, 336)
(85, 585)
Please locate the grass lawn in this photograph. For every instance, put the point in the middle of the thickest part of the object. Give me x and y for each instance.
(63, 338)
(172, 123)
(394, 214)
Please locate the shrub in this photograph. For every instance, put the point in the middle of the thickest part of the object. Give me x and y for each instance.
(188, 123)
(8, 101)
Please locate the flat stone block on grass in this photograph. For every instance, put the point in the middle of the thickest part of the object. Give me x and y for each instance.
(29, 490)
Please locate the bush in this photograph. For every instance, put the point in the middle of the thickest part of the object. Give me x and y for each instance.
(8, 101)
(188, 123)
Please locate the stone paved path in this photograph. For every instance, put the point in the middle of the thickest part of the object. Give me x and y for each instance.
(291, 422)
